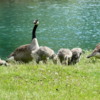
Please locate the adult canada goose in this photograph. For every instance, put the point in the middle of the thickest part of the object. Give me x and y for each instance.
(2, 62)
(23, 53)
(96, 52)
(76, 53)
(43, 54)
(64, 56)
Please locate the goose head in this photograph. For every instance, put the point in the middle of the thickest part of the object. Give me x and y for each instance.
(2, 62)
(36, 22)
(96, 52)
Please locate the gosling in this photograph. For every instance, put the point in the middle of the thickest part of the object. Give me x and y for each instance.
(43, 54)
(64, 55)
(76, 54)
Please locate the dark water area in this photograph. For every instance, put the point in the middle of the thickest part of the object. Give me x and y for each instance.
(63, 23)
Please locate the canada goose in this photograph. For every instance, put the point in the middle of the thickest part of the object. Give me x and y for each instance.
(2, 62)
(44, 53)
(64, 56)
(96, 52)
(76, 53)
(23, 53)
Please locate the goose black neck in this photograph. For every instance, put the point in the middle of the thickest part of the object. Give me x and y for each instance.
(34, 32)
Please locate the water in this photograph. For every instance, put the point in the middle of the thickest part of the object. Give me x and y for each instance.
(63, 23)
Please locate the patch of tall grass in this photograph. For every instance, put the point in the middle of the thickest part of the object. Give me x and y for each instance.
(51, 82)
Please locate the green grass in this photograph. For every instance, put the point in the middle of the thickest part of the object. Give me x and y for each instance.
(51, 82)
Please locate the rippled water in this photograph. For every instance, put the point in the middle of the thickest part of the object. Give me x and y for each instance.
(63, 23)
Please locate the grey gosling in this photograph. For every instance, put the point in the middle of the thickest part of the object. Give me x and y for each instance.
(64, 55)
(43, 54)
(76, 54)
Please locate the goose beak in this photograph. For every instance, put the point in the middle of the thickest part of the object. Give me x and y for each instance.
(89, 56)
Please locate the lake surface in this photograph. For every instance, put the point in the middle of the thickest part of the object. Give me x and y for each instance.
(63, 23)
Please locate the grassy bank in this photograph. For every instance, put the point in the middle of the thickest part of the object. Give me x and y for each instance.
(51, 82)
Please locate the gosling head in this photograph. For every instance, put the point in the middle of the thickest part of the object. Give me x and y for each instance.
(36, 22)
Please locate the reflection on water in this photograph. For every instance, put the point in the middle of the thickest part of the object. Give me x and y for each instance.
(63, 23)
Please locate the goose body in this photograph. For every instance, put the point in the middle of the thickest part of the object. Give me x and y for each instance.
(23, 53)
(96, 52)
(64, 55)
(43, 53)
(76, 54)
